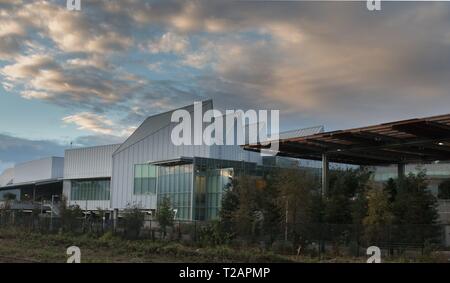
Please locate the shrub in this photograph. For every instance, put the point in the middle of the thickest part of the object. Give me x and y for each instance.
(69, 216)
(133, 221)
(214, 234)
(165, 215)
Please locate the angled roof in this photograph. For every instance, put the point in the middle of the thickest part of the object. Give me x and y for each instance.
(154, 123)
(7, 177)
(407, 141)
(302, 132)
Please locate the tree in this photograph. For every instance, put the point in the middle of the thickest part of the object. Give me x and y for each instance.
(379, 215)
(230, 204)
(133, 219)
(444, 190)
(298, 203)
(296, 188)
(359, 208)
(415, 210)
(391, 189)
(272, 212)
(165, 215)
(248, 214)
(69, 216)
(346, 187)
(242, 210)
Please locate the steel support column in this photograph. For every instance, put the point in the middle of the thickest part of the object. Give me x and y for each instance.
(400, 170)
(325, 171)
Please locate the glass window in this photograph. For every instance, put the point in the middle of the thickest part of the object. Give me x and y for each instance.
(90, 190)
(10, 194)
(145, 179)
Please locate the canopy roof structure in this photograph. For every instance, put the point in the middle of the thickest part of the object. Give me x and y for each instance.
(401, 142)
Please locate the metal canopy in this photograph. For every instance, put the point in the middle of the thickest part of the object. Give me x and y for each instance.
(401, 142)
(173, 162)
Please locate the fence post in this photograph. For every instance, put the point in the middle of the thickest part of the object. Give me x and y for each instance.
(195, 230)
(357, 239)
(115, 216)
(390, 253)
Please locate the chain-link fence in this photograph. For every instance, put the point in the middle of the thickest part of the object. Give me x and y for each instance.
(298, 238)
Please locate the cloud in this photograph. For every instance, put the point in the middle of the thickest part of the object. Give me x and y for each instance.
(98, 124)
(91, 122)
(9, 47)
(169, 43)
(9, 27)
(320, 62)
(5, 165)
(84, 83)
(15, 150)
(71, 32)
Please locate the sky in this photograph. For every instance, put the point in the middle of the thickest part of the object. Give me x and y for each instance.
(91, 77)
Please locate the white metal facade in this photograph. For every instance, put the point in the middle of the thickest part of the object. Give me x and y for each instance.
(88, 163)
(39, 170)
(149, 143)
(152, 142)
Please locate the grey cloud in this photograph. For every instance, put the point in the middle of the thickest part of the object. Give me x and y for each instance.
(9, 47)
(15, 149)
(317, 61)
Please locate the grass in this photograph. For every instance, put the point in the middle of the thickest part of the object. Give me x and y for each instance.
(18, 245)
(22, 246)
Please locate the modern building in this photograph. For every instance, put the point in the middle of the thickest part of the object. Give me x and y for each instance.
(147, 167)
(87, 176)
(142, 171)
(391, 149)
(33, 181)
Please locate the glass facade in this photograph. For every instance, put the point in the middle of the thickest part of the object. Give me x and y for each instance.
(210, 186)
(175, 182)
(145, 179)
(435, 173)
(212, 178)
(195, 187)
(90, 190)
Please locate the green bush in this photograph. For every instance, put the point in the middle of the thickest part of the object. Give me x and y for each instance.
(69, 217)
(133, 221)
(213, 234)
